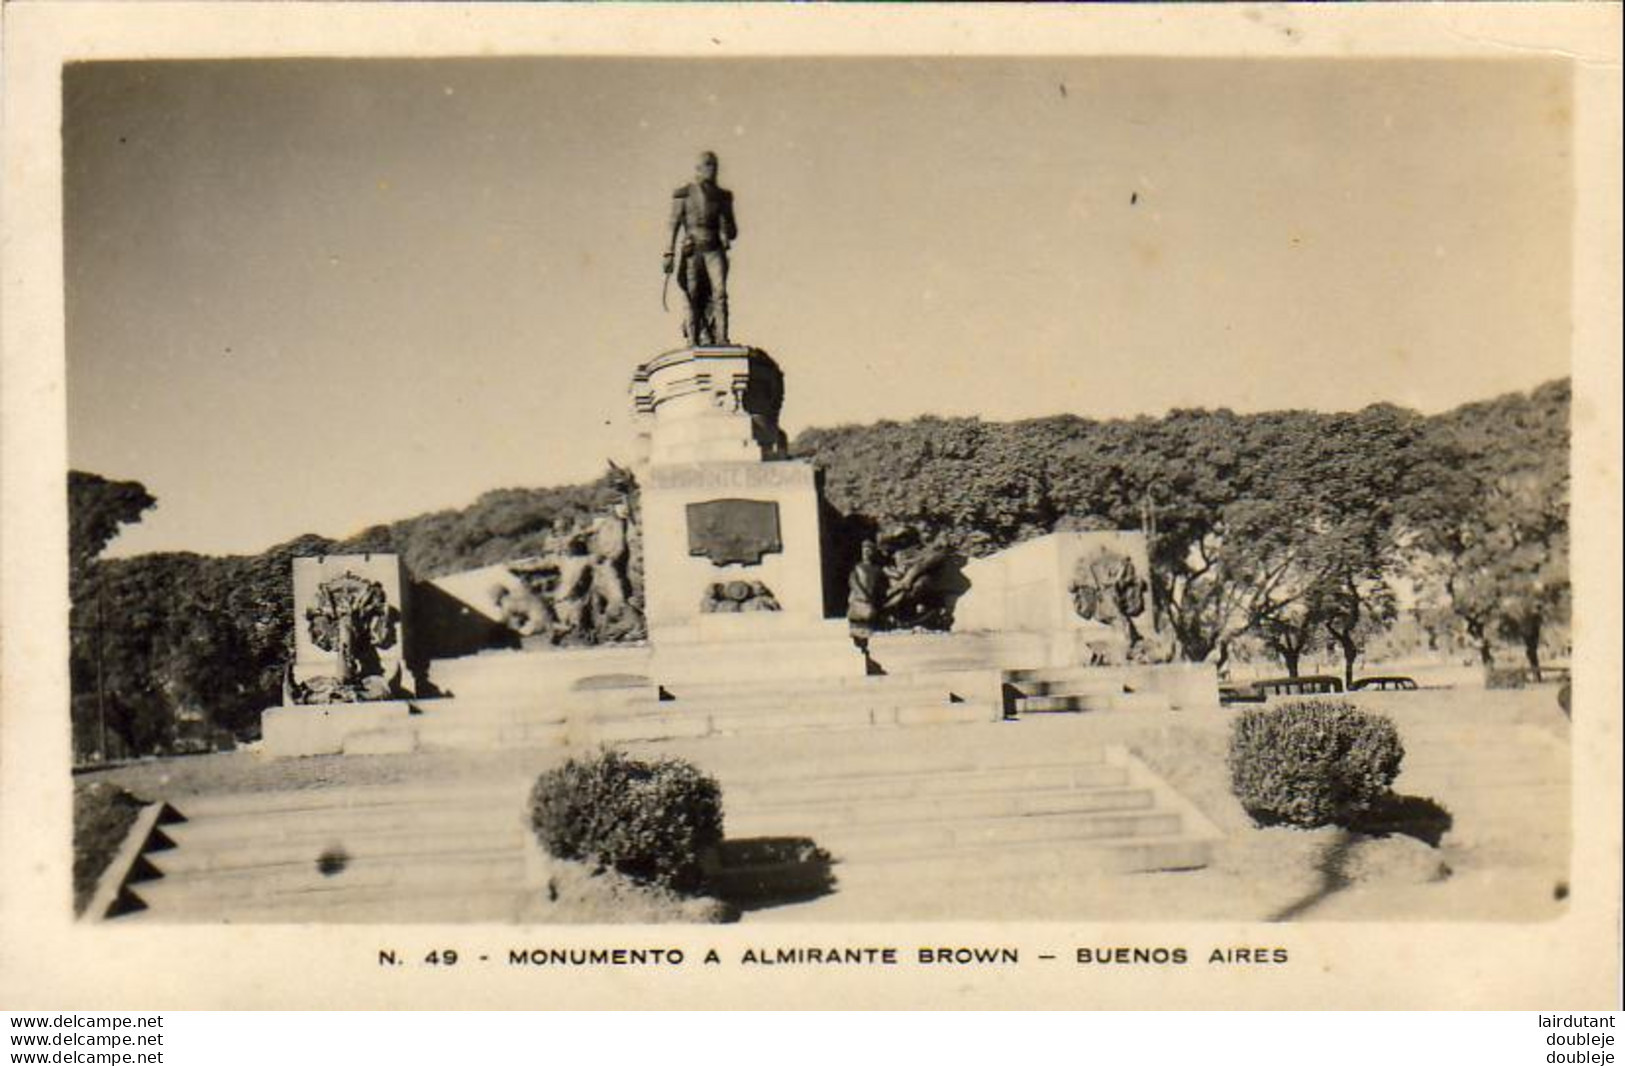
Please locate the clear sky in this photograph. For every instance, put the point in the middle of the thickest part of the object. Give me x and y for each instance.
(309, 296)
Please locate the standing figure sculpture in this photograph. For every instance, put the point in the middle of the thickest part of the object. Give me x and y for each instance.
(702, 212)
(866, 593)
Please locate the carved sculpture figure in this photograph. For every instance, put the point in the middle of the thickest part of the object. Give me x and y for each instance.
(730, 597)
(609, 548)
(1107, 588)
(521, 609)
(702, 213)
(924, 583)
(866, 595)
(579, 591)
(351, 617)
(571, 599)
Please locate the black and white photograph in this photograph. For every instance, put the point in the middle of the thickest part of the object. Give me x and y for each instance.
(776, 494)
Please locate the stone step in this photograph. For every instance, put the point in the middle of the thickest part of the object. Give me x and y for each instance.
(930, 810)
(952, 752)
(536, 708)
(456, 736)
(337, 824)
(226, 889)
(206, 857)
(909, 651)
(502, 692)
(934, 784)
(1021, 864)
(860, 716)
(304, 801)
(505, 902)
(500, 699)
(448, 732)
(859, 690)
(1141, 701)
(556, 669)
(866, 842)
(791, 662)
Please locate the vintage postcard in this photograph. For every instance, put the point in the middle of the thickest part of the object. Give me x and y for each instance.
(876, 506)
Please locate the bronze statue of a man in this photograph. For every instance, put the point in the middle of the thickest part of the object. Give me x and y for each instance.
(703, 213)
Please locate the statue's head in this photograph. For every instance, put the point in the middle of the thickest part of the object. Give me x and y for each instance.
(867, 551)
(705, 168)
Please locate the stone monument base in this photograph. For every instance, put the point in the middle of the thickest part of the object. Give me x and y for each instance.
(753, 649)
(337, 729)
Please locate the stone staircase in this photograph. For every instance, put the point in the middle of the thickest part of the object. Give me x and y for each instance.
(521, 700)
(381, 853)
(1003, 812)
(813, 679)
(1101, 802)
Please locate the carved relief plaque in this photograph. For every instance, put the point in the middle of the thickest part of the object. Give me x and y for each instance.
(734, 531)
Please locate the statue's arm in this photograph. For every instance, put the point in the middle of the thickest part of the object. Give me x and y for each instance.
(674, 222)
(730, 228)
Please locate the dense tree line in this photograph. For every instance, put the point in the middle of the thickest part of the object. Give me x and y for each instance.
(1298, 530)
(1294, 528)
(165, 636)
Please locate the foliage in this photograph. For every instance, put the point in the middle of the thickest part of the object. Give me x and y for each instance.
(1252, 519)
(174, 633)
(1312, 763)
(501, 525)
(97, 508)
(651, 821)
(1494, 536)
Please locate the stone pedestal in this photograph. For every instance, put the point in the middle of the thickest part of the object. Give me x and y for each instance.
(730, 524)
(337, 729)
(708, 404)
(1080, 591)
(732, 552)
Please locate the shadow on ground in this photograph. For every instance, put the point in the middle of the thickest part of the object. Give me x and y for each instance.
(755, 873)
(1416, 817)
(1413, 816)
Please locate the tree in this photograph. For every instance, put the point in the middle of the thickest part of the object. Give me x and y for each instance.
(1290, 633)
(1511, 576)
(1278, 517)
(97, 509)
(1354, 607)
(1494, 528)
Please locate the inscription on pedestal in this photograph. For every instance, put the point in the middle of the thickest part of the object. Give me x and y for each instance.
(729, 475)
(733, 531)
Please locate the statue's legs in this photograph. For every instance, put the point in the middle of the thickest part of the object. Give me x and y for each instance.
(697, 288)
(715, 263)
(607, 585)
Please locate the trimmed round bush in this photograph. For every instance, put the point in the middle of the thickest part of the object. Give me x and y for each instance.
(1311, 763)
(651, 821)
